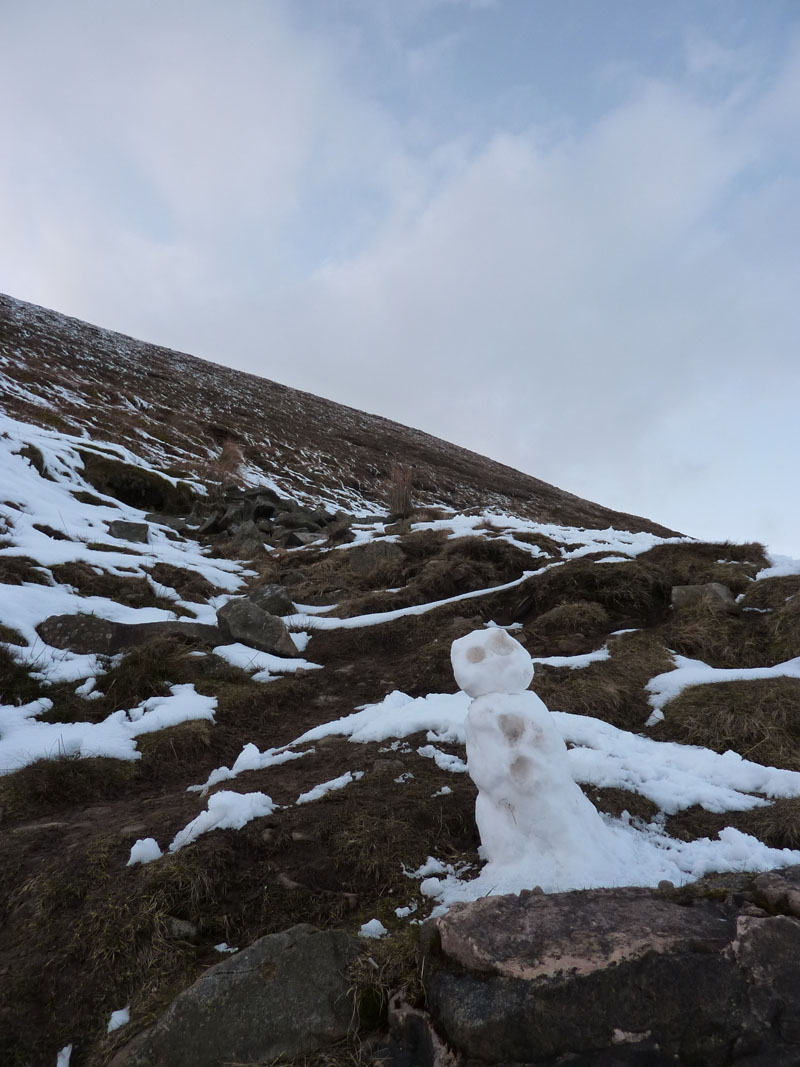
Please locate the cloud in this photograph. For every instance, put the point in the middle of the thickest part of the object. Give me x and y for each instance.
(607, 303)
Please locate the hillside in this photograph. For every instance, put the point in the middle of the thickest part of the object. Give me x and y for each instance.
(227, 708)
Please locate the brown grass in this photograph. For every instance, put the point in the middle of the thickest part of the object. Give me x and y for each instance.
(611, 689)
(632, 593)
(758, 719)
(61, 782)
(699, 631)
(771, 593)
(189, 585)
(696, 564)
(16, 685)
(16, 570)
(135, 592)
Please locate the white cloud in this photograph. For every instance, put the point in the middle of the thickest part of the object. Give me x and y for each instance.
(607, 302)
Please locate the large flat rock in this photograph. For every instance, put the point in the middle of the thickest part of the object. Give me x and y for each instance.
(620, 976)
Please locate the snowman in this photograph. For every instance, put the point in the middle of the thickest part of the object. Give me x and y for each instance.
(529, 807)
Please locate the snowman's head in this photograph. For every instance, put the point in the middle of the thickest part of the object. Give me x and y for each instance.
(490, 661)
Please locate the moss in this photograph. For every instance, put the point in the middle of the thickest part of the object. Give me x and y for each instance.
(137, 486)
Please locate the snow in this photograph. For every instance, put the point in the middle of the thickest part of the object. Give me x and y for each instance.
(374, 929)
(665, 687)
(779, 567)
(225, 811)
(249, 759)
(357, 621)
(23, 739)
(145, 850)
(63, 1058)
(40, 501)
(263, 666)
(118, 1019)
(537, 826)
(528, 801)
(575, 663)
(328, 787)
(223, 946)
(486, 661)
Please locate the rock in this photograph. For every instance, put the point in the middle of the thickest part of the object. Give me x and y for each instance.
(364, 559)
(274, 599)
(129, 531)
(78, 633)
(780, 890)
(602, 974)
(295, 520)
(174, 522)
(300, 538)
(392, 767)
(181, 929)
(286, 995)
(241, 620)
(717, 596)
(89, 633)
(211, 525)
(293, 576)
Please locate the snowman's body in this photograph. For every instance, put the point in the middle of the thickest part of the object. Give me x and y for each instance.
(528, 801)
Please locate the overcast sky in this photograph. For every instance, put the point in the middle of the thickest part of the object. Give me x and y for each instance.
(563, 233)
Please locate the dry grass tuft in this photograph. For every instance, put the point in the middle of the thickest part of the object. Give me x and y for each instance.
(771, 593)
(696, 564)
(63, 781)
(16, 570)
(632, 593)
(758, 719)
(699, 631)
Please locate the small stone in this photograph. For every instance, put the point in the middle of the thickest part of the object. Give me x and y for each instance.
(138, 532)
(182, 929)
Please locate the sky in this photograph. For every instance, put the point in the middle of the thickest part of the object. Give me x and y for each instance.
(562, 233)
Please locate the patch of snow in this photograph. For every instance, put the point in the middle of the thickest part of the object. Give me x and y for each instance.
(328, 787)
(575, 663)
(374, 929)
(223, 946)
(249, 759)
(23, 740)
(225, 811)
(688, 672)
(263, 666)
(145, 850)
(119, 1018)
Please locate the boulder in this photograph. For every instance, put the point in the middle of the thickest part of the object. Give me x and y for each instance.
(129, 531)
(301, 538)
(364, 559)
(241, 620)
(274, 599)
(717, 596)
(618, 976)
(89, 633)
(78, 633)
(286, 995)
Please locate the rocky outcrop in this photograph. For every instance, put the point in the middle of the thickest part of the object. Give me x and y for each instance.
(89, 633)
(253, 517)
(714, 594)
(242, 620)
(622, 976)
(286, 995)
